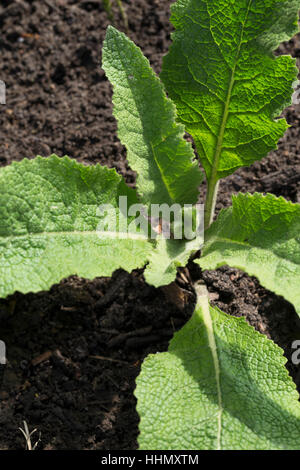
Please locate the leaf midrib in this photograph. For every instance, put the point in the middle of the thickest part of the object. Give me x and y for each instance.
(168, 189)
(169, 192)
(209, 245)
(219, 146)
(206, 316)
(109, 235)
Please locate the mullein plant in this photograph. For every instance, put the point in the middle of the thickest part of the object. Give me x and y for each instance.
(221, 384)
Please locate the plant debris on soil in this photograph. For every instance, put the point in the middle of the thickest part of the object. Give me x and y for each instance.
(74, 352)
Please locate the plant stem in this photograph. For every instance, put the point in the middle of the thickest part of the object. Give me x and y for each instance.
(107, 8)
(210, 203)
(123, 14)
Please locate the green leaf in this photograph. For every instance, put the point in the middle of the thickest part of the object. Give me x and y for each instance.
(49, 224)
(260, 235)
(167, 257)
(221, 385)
(155, 146)
(226, 83)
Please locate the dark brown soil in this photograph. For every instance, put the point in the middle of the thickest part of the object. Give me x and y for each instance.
(74, 352)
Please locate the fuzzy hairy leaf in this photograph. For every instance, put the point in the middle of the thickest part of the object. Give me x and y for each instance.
(221, 385)
(227, 84)
(146, 126)
(167, 257)
(49, 224)
(260, 235)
